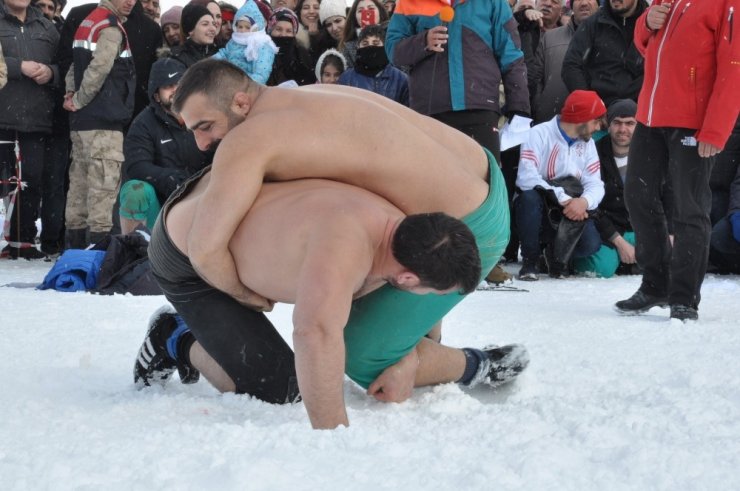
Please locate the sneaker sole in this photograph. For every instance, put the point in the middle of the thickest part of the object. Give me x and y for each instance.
(628, 313)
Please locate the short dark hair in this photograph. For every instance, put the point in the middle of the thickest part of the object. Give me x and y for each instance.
(440, 250)
(218, 79)
(374, 30)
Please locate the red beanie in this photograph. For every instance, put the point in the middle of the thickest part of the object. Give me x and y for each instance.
(582, 106)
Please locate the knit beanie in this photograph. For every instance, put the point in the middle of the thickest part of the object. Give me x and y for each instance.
(164, 72)
(282, 14)
(172, 16)
(191, 14)
(621, 108)
(582, 106)
(331, 8)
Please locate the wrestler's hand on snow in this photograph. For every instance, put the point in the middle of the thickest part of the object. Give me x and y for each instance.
(254, 301)
(396, 383)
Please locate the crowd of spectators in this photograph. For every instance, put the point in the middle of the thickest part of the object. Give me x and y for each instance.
(87, 108)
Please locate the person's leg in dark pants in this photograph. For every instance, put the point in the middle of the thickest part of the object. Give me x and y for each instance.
(724, 251)
(53, 199)
(643, 197)
(590, 241)
(689, 175)
(25, 212)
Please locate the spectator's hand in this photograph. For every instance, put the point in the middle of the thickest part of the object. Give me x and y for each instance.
(576, 209)
(69, 105)
(436, 39)
(735, 222)
(34, 70)
(396, 383)
(708, 150)
(657, 16)
(533, 15)
(625, 250)
(43, 75)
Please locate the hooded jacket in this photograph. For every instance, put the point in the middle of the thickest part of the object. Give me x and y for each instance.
(483, 50)
(692, 69)
(26, 105)
(602, 56)
(157, 148)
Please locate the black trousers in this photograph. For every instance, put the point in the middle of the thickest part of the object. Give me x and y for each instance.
(657, 154)
(478, 125)
(26, 209)
(242, 341)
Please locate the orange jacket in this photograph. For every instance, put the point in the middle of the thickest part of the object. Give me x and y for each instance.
(692, 68)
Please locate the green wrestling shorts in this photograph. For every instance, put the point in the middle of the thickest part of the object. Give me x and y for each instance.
(388, 323)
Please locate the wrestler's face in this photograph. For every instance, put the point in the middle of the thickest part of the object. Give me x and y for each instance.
(409, 282)
(207, 121)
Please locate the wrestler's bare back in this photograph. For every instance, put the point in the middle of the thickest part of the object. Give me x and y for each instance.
(271, 243)
(357, 137)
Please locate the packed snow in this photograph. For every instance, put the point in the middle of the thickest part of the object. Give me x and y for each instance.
(608, 402)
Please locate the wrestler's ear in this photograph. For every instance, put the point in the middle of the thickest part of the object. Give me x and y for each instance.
(240, 103)
(407, 279)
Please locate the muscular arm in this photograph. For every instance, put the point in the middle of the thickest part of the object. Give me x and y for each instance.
(336, 263)
(234, 185)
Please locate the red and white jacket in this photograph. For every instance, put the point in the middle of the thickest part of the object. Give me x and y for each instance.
(546, 155)
(692, 69)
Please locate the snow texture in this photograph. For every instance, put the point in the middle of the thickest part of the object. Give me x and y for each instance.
(608, 402)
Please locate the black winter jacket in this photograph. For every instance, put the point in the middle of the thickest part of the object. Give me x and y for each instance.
(26, 105)
(612, 216)
(602, 56)
(158, 150)
(190, 52)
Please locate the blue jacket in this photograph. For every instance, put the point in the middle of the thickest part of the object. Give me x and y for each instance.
(75, 270)
(483, 48)
(390, 82)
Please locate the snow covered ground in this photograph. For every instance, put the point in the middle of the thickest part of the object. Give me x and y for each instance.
(608, 402)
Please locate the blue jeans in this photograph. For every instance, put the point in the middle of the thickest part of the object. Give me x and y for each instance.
(535, 229)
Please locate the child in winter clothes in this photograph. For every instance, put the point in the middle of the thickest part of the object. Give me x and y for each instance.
(250, 48)
(372, 71)
(330, 66)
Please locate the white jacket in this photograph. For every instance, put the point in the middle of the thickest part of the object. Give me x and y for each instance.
(546, 156)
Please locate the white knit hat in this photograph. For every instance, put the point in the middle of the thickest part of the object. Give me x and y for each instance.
(330, 8)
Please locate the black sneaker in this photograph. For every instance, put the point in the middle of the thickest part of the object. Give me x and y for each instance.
(530, 270)
(502, 365)
(639, 303)
(153, 362)
(684, 313)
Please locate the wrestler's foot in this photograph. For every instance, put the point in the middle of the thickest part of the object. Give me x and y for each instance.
(167, 335)
(501, 365)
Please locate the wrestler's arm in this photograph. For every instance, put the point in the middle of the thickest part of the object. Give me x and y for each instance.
(235, 180)
(335, 267)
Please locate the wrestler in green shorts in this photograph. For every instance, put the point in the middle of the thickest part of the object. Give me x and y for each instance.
(386, 324)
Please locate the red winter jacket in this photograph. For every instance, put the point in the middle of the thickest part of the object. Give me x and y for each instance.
(692, 68)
